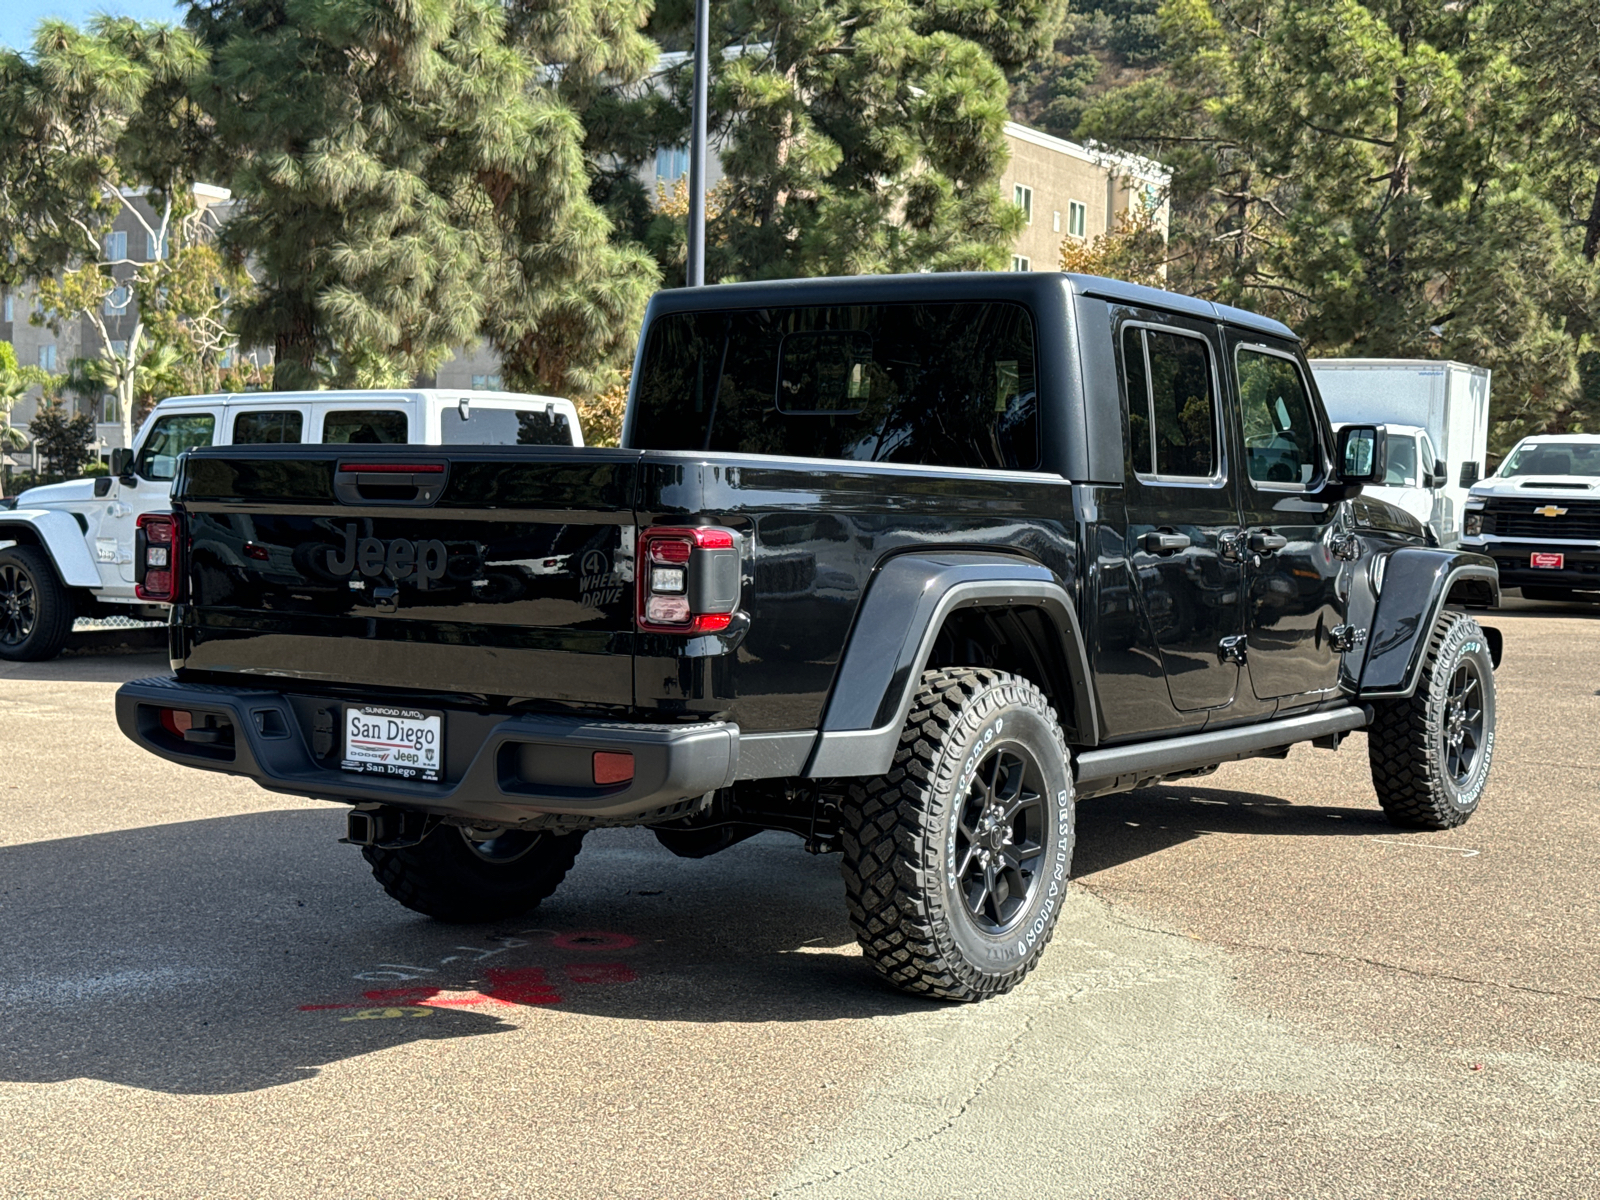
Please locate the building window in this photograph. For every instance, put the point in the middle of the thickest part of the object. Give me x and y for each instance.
(486, 383)
(1077, 218)
(117, 300)
(47, 358)
(1022, 197)
(1021, 262)
(119, 348)
(116, 245)
(11, 308)
(155, 248)
(672, 163)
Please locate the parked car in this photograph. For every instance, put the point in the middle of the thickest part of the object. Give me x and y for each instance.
(67, 549)
(904, 566)
(1538, 517)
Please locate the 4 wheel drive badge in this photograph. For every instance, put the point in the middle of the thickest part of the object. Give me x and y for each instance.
(595, 562)
(1550, 510)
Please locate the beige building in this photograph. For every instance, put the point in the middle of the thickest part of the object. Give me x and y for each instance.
(1073, 191)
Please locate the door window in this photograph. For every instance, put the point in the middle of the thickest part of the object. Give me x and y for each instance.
(170, 437)
(364, 427)
(1172, 419)
(1280, 436)
(266, 428)
(1400, 461)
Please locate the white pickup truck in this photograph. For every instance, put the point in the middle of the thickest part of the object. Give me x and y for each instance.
(66, 549)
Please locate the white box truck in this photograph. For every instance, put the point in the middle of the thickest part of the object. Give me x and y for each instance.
(1436, 417)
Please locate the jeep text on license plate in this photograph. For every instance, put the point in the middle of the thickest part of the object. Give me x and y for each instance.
(403, 742)
(1553, 562)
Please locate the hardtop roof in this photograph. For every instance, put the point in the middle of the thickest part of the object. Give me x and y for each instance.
(1022, 286)
(345, 395)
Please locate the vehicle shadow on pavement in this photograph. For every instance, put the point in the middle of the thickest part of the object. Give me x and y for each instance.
(1117, 829)
(249, 951)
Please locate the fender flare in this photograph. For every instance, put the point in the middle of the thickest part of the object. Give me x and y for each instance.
(1416, 584)
(58, 533)
(893, 637)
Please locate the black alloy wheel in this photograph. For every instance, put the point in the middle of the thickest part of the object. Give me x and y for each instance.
(956, 862)
(36, 610)
(1000, 839)
(19, 605)
(1431, 752)
(1463, 723)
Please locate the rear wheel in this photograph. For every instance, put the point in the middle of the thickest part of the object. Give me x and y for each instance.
(956, 861)
(460, 876)
(1431, 753)
(36, 610)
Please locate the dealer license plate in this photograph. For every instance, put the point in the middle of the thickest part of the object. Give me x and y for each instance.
(403, 742)
(1551, 562)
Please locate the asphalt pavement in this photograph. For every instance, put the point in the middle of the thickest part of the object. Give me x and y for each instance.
(1258, 989)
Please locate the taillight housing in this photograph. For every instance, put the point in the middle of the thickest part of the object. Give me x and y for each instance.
(158, 558)
(688, 579)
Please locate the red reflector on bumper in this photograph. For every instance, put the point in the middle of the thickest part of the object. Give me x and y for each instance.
(176, 721)
(612, 767)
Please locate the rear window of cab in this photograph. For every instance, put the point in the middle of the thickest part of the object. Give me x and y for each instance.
(951, 385)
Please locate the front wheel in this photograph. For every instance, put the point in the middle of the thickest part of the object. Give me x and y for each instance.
(1431, 753)
(956, 861)
(36, 611)
(462, 877)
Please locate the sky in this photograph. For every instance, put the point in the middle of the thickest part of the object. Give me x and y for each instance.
(18, 17)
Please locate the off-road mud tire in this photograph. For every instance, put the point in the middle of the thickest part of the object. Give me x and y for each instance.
(900, 832)
(1407, 740)
(445, 878)
(51, 608)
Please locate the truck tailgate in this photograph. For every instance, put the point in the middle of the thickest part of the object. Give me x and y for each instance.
(506, 571)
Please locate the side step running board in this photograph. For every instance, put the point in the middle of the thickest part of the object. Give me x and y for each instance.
(1122, 767)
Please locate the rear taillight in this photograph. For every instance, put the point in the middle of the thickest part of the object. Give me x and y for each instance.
(158, 557)
(688, 580)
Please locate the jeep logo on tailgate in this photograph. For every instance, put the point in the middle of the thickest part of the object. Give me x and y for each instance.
(423, 562)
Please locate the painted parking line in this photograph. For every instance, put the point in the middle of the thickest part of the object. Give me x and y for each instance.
(1461, 850)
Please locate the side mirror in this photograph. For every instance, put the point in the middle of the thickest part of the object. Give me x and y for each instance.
(1361, 454)
(1469, 474)
(1440, 477)
(122, 463)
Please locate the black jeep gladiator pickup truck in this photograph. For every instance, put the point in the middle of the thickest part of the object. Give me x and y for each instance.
(903, 565)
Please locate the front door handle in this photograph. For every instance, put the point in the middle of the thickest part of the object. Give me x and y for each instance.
(1159, 541)
(1263, 542)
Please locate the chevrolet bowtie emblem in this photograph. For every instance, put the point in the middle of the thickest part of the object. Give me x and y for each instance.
(1550, 510)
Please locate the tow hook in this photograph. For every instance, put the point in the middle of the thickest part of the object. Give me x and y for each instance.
(385, 827)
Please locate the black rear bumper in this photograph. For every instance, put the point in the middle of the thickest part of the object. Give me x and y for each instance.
(499, 770)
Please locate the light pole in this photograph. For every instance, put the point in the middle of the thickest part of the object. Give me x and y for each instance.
(697, 145)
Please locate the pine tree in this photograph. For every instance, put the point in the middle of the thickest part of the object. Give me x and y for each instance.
(863, 136)
(412, 182)
(1351, 167)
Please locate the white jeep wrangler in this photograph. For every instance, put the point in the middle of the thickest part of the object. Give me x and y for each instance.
(66, 549)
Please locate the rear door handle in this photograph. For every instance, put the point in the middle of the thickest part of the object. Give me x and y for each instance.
(1160, 542)
(1263, 542)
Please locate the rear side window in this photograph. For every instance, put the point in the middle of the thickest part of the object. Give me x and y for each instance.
(1172, 417)
(364, 427)
(170, 437)
(266, 428)
(1280, 437)
(934, 384)
(503, 427)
